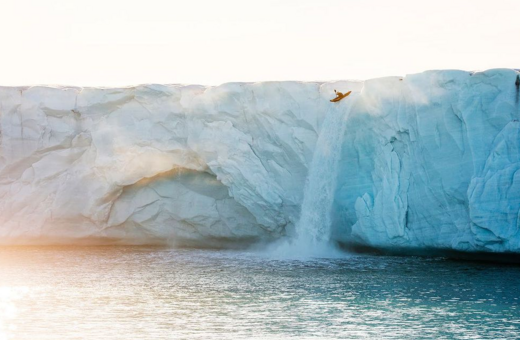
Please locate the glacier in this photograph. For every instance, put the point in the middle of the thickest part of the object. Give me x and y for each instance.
(426, 161)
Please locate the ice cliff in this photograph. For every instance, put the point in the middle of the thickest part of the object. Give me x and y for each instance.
(428, 161)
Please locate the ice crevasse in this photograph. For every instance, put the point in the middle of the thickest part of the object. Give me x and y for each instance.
(427, 161)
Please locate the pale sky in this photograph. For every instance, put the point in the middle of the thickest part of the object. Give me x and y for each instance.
(125, 42)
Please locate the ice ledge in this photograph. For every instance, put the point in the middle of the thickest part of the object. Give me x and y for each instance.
(429, 161)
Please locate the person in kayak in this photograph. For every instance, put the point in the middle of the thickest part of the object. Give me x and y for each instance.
(340, 96)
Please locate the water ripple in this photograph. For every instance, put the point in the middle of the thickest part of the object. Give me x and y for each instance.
(158, 293)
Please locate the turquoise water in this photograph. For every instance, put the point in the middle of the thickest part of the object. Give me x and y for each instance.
(158, 293)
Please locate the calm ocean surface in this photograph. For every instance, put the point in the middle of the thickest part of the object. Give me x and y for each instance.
(160, 293)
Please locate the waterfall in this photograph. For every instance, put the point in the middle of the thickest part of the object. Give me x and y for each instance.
(314, 226)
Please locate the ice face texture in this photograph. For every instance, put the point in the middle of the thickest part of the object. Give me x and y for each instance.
(427, 162)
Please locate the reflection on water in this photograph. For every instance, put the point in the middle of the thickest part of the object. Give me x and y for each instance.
(157, 293)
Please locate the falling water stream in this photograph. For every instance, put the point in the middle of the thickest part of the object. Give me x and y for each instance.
(314, 226)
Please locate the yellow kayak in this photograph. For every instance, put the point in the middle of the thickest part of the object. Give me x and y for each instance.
(337, 99)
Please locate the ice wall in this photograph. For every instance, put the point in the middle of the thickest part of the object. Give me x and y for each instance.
(428, 161)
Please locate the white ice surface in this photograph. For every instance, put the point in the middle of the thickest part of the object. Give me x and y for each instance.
(430, 161)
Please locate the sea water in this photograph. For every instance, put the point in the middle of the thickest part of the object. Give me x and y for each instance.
(161, 293)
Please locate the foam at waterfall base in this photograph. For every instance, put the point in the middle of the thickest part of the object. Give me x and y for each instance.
(293, 249)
